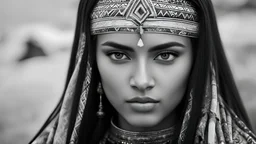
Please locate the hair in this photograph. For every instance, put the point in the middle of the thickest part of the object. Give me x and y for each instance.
(207, 49)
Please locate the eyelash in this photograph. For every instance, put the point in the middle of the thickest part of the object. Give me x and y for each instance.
(110, 54)
(174, 54)
(113, 53)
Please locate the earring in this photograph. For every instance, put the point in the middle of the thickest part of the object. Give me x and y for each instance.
(100, 112)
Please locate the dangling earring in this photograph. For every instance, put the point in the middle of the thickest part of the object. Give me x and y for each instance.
(100, 112)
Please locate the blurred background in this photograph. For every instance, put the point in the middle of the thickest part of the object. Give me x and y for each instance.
(35, 41)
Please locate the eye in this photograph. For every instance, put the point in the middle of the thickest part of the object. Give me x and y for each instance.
(166, 56)
(118, 56)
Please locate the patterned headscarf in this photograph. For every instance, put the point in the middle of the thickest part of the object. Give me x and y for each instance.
(217, 124)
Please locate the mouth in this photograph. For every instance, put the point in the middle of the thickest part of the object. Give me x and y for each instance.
(142, 100)
(143, 104)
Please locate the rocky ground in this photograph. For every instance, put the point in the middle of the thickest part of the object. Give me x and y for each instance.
(31, 86)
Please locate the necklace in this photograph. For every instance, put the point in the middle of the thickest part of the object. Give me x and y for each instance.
(117, 135)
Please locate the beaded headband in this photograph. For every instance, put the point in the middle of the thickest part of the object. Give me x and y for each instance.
(178, 17)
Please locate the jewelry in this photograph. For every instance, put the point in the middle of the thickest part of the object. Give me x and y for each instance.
(140, 42)
(116, 135)
(100, 112)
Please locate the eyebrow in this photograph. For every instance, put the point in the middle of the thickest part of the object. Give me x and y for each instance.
(165, 46)
(155, 48)
(118, 46)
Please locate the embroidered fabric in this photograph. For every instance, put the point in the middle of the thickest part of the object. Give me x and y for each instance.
(177, 17)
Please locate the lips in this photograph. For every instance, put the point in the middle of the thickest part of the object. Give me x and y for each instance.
(142, 100)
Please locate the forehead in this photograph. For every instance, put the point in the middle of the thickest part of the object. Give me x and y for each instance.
(149, 39)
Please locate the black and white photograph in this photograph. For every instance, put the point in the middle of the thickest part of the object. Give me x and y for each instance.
(128, 72)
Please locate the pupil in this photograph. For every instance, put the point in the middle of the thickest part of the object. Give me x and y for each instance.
(119, 56)
(165, 56)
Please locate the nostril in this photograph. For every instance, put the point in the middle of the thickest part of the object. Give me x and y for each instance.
(142, 87)
(134, 87)
(142, 83)
(149, 87)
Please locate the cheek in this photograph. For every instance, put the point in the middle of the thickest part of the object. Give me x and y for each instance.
(172, 90)
(172, 80)
(113, 78)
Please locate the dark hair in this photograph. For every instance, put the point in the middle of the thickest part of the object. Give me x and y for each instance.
(207, 48)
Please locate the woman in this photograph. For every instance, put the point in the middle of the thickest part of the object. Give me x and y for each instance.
(147, 71)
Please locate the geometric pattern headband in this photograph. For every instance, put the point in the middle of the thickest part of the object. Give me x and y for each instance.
(177, 17)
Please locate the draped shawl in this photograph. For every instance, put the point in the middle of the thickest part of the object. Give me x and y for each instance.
(218, 124)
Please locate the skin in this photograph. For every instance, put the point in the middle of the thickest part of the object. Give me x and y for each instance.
(155, 70)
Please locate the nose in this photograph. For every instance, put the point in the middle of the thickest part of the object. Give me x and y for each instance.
(141, 79)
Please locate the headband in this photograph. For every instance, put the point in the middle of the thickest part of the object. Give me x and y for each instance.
(177, 17)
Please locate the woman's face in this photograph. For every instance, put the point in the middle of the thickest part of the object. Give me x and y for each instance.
(144, 84)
